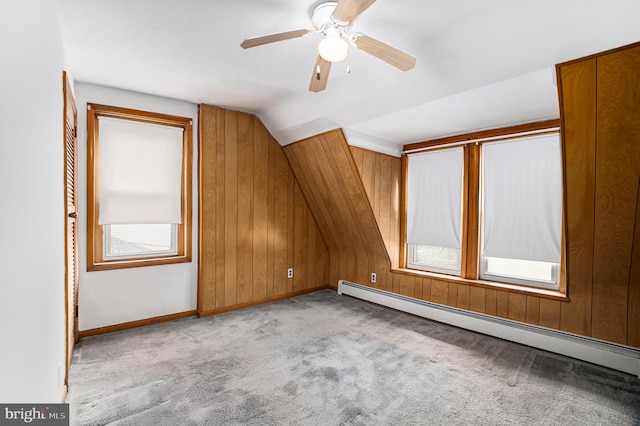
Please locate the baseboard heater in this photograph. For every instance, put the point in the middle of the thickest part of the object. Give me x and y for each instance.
(611, 355)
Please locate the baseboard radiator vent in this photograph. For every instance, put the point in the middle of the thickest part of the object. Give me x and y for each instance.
(611, 355)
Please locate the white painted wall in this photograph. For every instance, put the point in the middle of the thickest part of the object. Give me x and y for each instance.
(32, 314)
(119, 296)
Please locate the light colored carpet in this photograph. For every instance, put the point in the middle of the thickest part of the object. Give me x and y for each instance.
(324, 359)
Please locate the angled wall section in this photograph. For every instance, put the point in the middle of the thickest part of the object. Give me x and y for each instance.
(254, 220)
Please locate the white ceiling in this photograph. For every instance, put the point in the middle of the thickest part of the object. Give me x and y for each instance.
(480, 63)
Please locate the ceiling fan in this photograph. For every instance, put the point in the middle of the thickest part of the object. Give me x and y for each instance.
(332, 19)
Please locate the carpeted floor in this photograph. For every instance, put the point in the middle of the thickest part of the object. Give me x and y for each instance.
(324, 359)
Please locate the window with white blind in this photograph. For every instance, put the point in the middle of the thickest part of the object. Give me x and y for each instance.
(522, 211)
(434, 210)
(488, 210)
(139, 188)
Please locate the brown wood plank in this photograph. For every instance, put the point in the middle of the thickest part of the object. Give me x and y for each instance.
(533, 310)
(358, 155)
(617, 175)
(426, 289)
(207, 207)
(491, 302)
(517, 307)
(439, 291)
(634, 280)
(578, 92)
(477, 299)
(260, 209)
(271, 216)
(407, 285)
(394, 214)
(550, 313)
(220, 185)
(291, 183)
(281, 225)
(299, 241)
(311, 257)
(502, 304)
(464, 297)
(231, 207)
(322, 269)
(244, 284)
(453, 294)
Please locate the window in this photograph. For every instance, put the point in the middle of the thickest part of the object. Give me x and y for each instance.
(434, 210)
(488, 210)
(139, 188)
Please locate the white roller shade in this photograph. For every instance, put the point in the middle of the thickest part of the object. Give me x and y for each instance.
(522, 199)
(140, 172)
(434, 198)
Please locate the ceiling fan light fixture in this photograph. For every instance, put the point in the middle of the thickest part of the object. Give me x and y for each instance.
(333, 48)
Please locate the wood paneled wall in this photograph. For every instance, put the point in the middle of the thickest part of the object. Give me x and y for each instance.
(254, 220)
(600, 98)
(601, 133)
(334, 190)
(380, 176)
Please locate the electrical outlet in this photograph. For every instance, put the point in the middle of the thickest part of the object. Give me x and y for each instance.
(373, 277)
(290, 273)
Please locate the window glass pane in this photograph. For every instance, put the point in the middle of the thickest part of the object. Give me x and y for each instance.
(437, 259)
(520, 269)
(140, 240)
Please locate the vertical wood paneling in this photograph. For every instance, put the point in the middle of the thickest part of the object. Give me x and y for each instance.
(245, 144)
(517, 307)
(271, 217)
(426, 289)
(463, 297)
(281, 225)
(254, 221)
(260, 223)
(299, 242)
(333, 186)
(634, 283)
(617, 171)
(407, 287)
(533, 310)
(502, 304)
(231, 208)
(207, 240)
(453, 295)
(381, 180)
(477, 299)
(491, 302)
(219, 212)
(550, 313)
(439, 292)
(578, 82)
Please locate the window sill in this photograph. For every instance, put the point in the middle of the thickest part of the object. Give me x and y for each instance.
(512, 288)
(136, 263)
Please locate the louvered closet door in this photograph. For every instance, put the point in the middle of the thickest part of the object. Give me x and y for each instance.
(71, 213)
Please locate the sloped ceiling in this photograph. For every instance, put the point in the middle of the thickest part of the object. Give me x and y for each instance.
(480, 63)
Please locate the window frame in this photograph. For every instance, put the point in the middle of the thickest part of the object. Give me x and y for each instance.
(96, 260)
(470, 267)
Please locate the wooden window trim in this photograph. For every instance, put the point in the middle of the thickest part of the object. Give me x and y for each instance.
(95, 242)
(470, 250)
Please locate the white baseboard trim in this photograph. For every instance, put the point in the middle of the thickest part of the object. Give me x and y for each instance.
(611, 355)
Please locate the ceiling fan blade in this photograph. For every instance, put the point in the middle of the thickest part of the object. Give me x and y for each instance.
(389, 54)
(320, 75)
(348, 10)
(272, 38)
